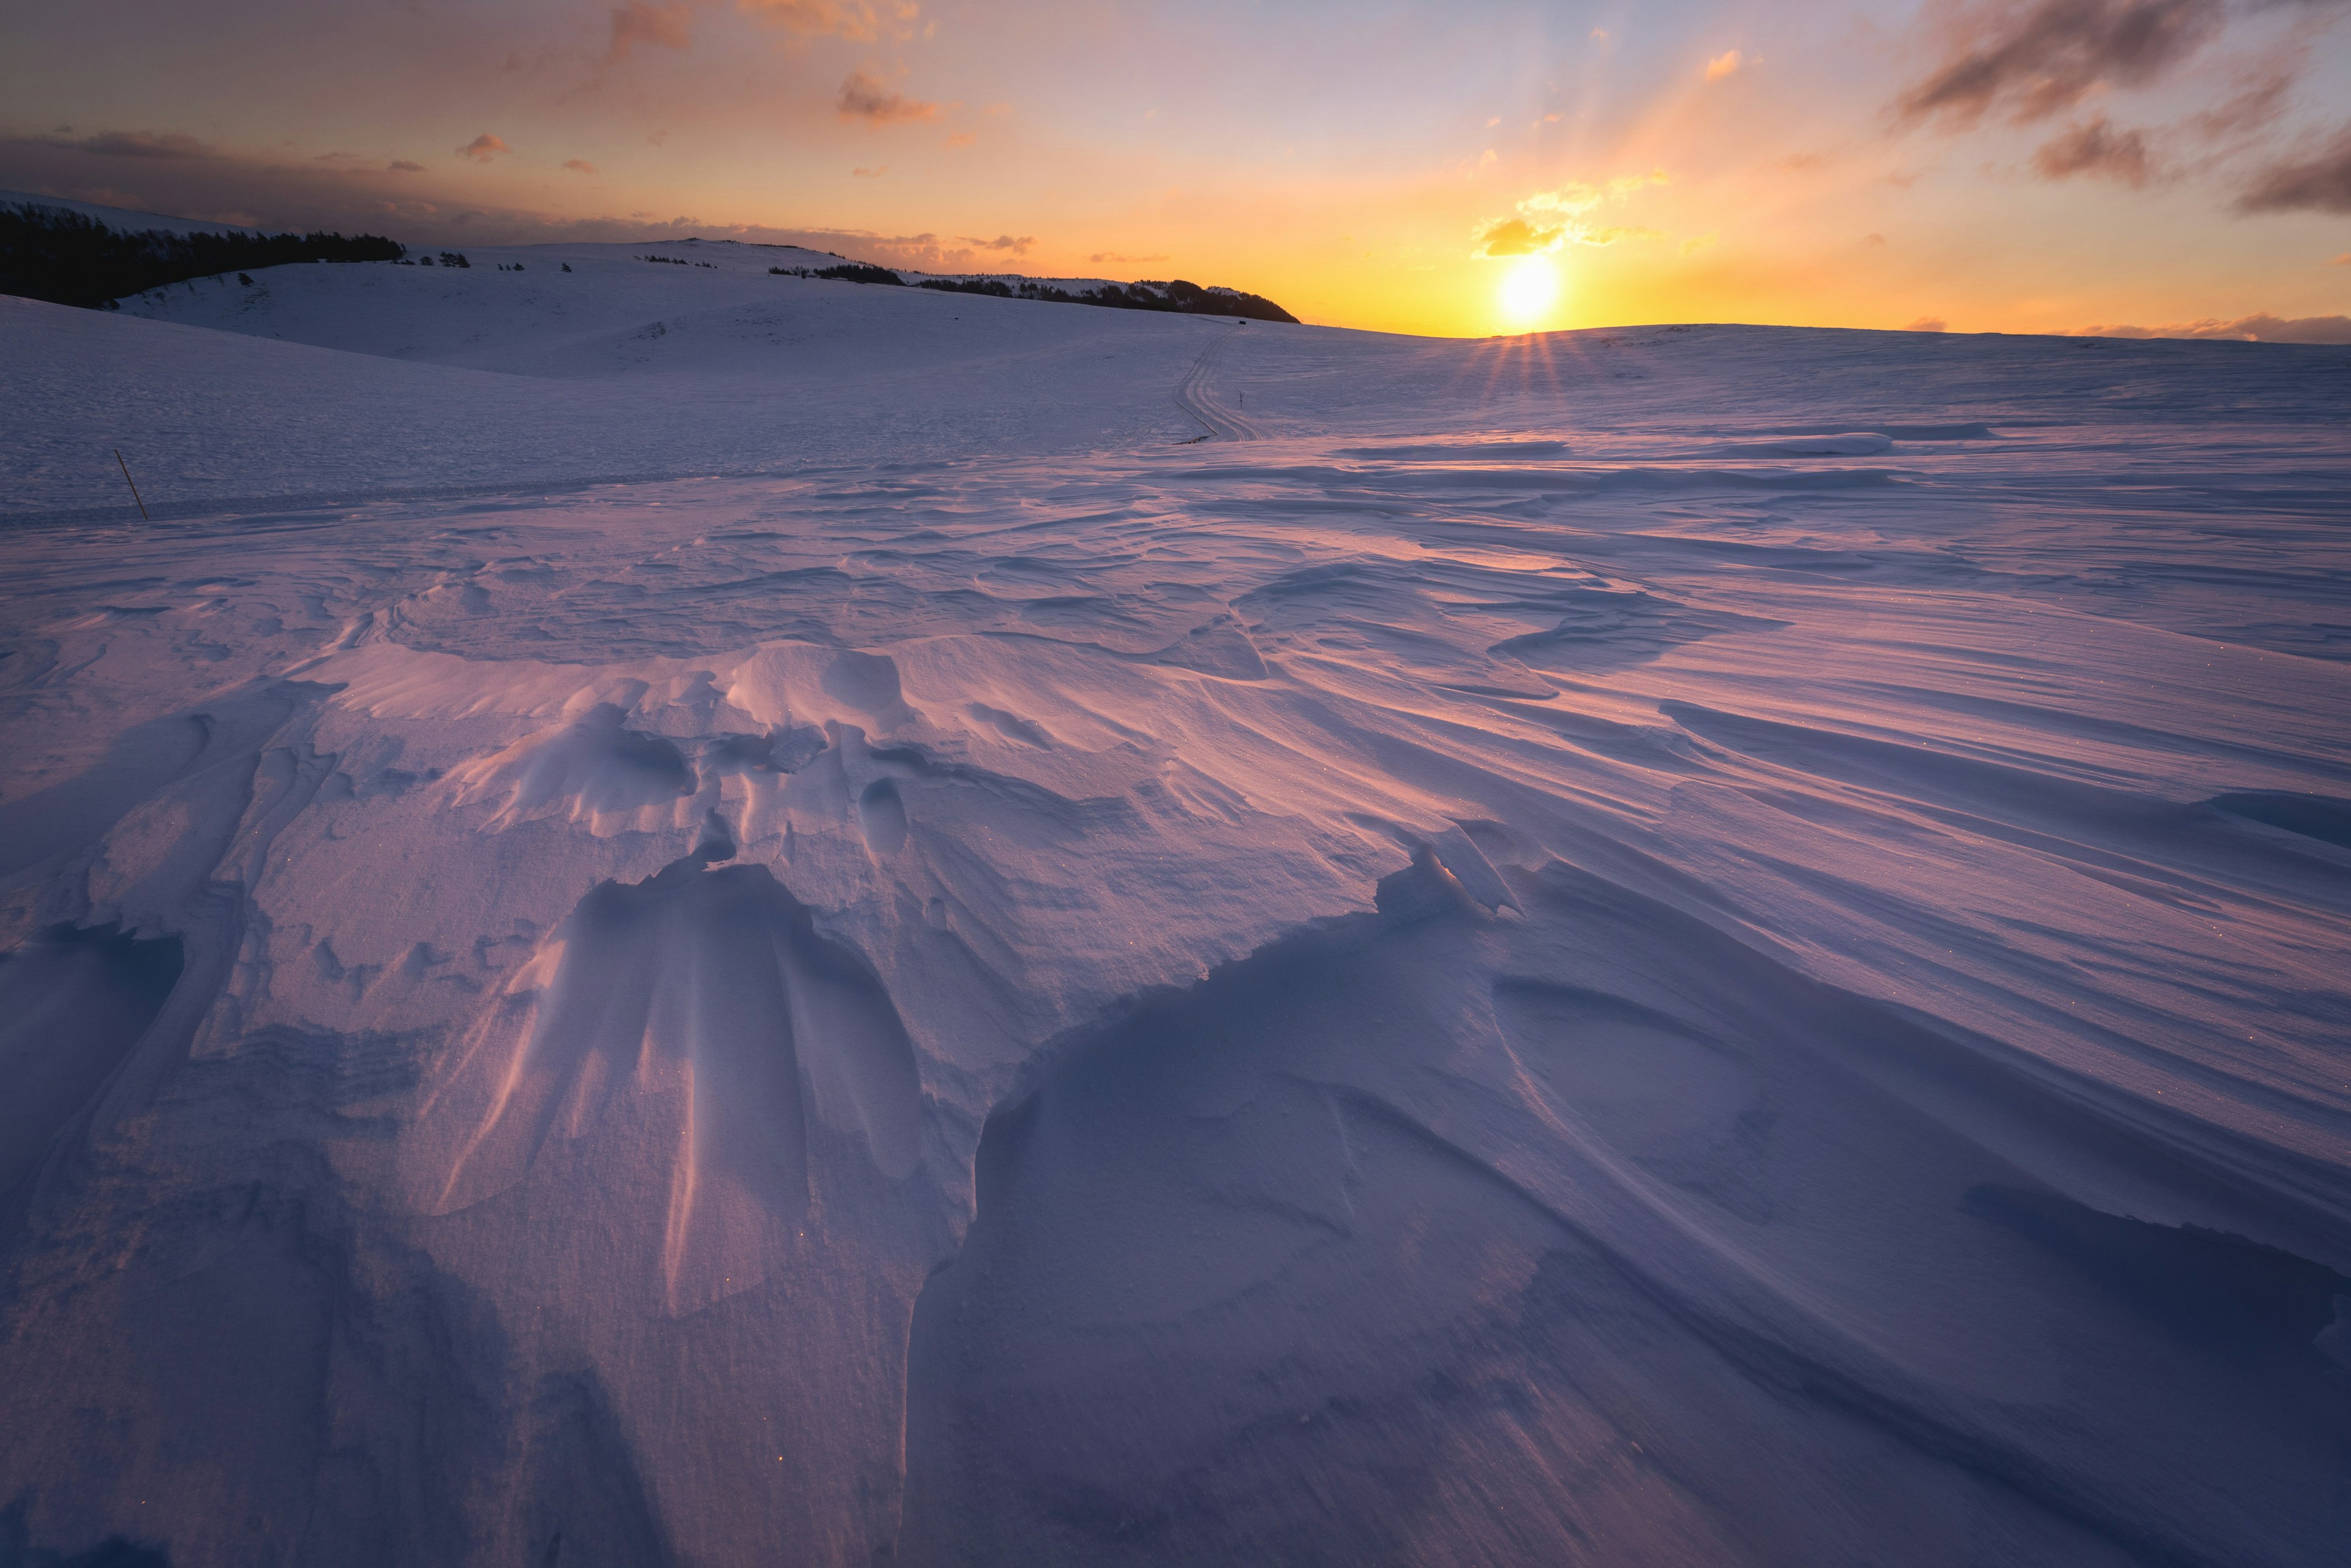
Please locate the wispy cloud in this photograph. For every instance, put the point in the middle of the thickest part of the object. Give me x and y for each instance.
(1549, 220)
(1722, 65)
(484, 148)
(2259, 327)
(2317, 182)
(142, 144)
(2098, 150)
(664, 26)
(862, 98)
(2039, 57)
(403, 166)
(860, 21)
(873, 173)
(1000, 243)
(580, 165)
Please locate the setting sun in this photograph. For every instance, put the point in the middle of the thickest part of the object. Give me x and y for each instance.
(1528, 289)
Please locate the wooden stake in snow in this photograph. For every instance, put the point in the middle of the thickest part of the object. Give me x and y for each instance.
(133, 484)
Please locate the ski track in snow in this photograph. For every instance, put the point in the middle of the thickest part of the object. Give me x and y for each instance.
(723, 919)
(1195, 394)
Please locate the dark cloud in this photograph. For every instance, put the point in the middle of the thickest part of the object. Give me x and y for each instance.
(862, 98)
(665, 26)
(142, 144)
(413, 206)
(1002, 242)
(580, 165)
(403, 166)
(2319, 183)
(2037, 58)
(2098, 150)
(484, 148)
(2260, 328)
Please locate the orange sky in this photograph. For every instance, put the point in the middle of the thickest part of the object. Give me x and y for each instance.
(2040, 166)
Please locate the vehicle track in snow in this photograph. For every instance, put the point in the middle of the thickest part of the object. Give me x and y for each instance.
(1192, 395)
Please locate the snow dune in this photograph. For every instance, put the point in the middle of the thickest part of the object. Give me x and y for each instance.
(671, 915)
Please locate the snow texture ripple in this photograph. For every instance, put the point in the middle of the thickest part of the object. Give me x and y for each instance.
(675, 915)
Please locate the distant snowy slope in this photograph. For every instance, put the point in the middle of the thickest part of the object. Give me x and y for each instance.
(697, 379)
(609, 315)
(123, 218)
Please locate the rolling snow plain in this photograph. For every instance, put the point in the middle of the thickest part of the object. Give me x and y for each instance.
(667, 915)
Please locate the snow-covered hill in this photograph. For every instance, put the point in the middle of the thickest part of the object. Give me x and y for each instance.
(673, 914)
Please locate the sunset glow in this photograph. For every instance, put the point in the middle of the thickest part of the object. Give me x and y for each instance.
(1528, 289)
(1871, 163)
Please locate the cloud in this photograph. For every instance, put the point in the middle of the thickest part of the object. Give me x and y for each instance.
(2249, 111)
(2319, 183)
(1001, 242)
(1516, 237)
(2098, 150)
(483, 148)
(1549, 219)
(2035, 58)
(403, 166)
(1928, 324)
(580, 165)
(862, 98)
(1114, 258)
(142, 144)
(963, 138)
(2260, 328)
(300, 195)
(1722, 65)
(2343, 260)
(860, 21)
(665, 26)
(873, 173)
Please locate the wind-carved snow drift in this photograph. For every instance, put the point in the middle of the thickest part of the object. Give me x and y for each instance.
(1688, 946)
(700, 1010)
(592, 768)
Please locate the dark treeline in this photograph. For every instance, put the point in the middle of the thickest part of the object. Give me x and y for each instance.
(1176, 296)
(48, 253)
(847, 272)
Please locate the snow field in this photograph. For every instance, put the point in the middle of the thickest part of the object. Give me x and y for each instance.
(1704, 945)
